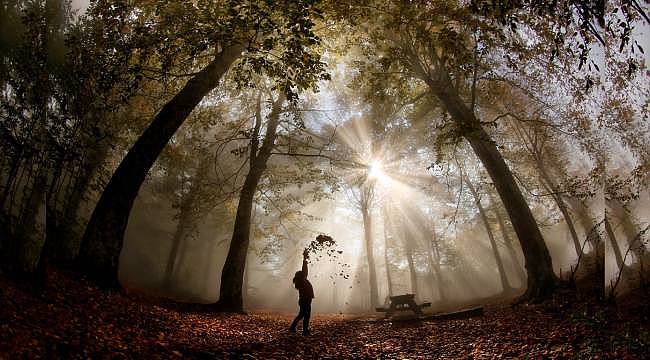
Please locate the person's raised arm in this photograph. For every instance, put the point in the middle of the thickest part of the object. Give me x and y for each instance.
(305, 256)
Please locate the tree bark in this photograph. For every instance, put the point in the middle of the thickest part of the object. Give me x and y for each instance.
(246, 283)
(505, 284)
(367, 235)
(103, 239)
(230, 293)
(232, 275)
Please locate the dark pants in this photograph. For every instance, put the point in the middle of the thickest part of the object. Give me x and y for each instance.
(304, 314)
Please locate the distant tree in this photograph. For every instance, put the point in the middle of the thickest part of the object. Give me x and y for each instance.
(505, 284)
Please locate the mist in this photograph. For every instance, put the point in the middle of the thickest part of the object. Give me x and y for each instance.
(224, 167)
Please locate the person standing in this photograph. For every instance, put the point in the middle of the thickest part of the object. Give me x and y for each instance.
(305, 296)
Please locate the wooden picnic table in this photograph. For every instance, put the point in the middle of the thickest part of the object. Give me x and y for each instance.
(403, 302)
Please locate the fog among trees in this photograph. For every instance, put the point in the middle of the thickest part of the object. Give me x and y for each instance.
(469, 153)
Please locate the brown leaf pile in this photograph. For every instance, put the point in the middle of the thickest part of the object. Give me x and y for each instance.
(72, 319)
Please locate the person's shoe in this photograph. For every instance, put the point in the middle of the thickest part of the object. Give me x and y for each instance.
(292, 330)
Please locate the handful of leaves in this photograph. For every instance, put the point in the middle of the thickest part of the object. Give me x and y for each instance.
(325, 244)
(317, 246)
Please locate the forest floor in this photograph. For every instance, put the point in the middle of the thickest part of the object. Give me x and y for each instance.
(70, 319)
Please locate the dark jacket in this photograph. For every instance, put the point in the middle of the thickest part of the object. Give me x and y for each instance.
(305, 290)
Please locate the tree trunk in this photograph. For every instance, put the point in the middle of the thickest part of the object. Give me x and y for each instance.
(550, 186)
(232, 275)
(555, 191)
(488, 228)
(72, 227)
(539, 266)
(367, 235)
(179, 235)
(62, 242)
(612, 239)
(103, 239)
(186, 221)
(434, 265)
(506, 239)
(230, 293)
(630, 229)
(30, 235)
(408, 249)
(11, 177)
(567, 218)
(412, 273)
(246, 283)
(436, 251)
(389, 278)
(594, 260)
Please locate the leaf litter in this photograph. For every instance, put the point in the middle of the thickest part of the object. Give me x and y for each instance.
(72, 319)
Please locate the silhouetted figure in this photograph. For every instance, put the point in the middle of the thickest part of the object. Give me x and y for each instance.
(305, 294)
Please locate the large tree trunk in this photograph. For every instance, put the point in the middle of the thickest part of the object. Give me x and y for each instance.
(367, 235)
(539, 267)
(230, 293)
(505, 284)
(104, 235)
(246, 283)
(232, 275)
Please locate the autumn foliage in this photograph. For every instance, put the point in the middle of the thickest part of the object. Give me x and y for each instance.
(74, 319)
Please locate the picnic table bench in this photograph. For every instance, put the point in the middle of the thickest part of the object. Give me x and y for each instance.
(403, 302)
